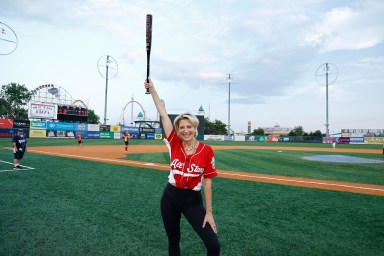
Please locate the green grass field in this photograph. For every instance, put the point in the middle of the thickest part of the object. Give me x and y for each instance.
(77, 207)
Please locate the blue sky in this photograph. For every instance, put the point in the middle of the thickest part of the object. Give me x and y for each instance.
(271, 48)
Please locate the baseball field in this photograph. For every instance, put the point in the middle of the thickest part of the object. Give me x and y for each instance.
(268, 199)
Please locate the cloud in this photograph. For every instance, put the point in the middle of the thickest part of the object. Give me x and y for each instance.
(348, 28)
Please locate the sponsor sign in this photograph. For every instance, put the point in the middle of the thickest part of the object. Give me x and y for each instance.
(262, 138)
(158, 131)
(239, 138)
(9, 133)
(6, 123)
(117, 135)
(214, 137)
(37, 133)
(356, 140)
(115, 128)
(273, 139)
(91, 135)
(147, 130)
(21, 124)
(150, 136)
(61, 126)
(329, 140)
(93, 127)
(60, 134)
(106, 135)
(133, 131)
(374, 140)
(250, 138)
(81, 127)
(35, 125)
(158, 136)
(42, 110)
(343, 140)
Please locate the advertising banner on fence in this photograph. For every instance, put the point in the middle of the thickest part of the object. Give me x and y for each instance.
(60, 134)
(356, 140)
(37, 133)
(36, 125)
(250, 138)
(81, 127)
(214, 137)
(374, 140)
(106, 135)
(21, 124)
(262, 138)
(42, 110)
(239, 138)
(342, 140)
(91, 135)
(115, 128)
(117, 135)
(158, 136)
(133, 131)
(273, 139)
(6, 123)
(328, 140)
(61, 126)
(93, 127)
(9, 133)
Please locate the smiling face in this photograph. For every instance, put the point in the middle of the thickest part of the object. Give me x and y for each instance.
(186, 130)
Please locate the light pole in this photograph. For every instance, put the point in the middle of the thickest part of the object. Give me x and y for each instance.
(110, 65)
(229, 79)
(327, 69)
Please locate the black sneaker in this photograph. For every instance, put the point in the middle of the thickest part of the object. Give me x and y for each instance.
(17, 167)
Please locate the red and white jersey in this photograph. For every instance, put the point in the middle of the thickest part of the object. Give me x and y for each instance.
(188, 171)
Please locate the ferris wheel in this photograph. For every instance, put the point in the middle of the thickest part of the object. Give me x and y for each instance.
(50, 93)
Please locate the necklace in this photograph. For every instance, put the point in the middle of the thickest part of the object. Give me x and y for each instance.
(191, 148)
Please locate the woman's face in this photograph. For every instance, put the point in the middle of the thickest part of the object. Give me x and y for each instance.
(186, 130)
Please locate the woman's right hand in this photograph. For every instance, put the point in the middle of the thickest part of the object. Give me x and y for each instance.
(148, 84)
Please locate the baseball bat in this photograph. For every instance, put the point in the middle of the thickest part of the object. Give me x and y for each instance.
(148, 44)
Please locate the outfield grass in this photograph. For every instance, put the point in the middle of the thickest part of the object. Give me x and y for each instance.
(81, 207)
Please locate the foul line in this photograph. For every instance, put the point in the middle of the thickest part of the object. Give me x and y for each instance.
(299, 181)
(12, 170)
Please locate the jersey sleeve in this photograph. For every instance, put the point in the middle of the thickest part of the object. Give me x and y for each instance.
(210, 170)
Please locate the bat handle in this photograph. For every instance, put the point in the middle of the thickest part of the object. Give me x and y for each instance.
(147, 91)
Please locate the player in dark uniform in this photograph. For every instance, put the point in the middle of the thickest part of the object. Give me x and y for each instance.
(19, 147)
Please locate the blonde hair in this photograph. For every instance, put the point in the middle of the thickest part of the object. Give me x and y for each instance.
(186, 116)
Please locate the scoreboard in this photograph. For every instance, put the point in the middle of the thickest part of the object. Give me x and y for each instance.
(68, 113)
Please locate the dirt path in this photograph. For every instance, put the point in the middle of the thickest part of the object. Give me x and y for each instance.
(113, 154)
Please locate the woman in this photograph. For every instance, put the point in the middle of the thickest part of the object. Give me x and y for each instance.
(192, 167)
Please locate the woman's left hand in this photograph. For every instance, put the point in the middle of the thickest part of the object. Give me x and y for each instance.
(209, 219)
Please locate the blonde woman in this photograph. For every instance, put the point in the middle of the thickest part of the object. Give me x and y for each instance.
(192, 168)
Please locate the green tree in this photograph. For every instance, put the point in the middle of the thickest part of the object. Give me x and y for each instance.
(298, 131)
(14, 101)
(214, 128)
(257, 132)
(317, 133)
(92, 117)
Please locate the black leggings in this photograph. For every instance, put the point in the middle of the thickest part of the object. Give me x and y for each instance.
(176, 201)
